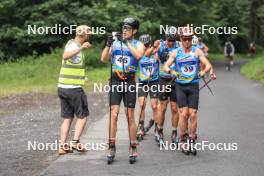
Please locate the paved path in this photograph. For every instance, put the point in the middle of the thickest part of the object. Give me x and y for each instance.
(233, 115)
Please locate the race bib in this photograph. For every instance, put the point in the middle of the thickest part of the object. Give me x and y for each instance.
(148, 70)
(120, 60)
(188, 69)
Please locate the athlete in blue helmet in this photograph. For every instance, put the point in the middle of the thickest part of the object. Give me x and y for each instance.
(148, 83)
(167, 96)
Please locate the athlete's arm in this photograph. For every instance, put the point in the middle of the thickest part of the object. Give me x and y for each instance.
(69, 54)
(169, 62)
(204, 61)
(154, 47)
(105, 56)
(137, 53)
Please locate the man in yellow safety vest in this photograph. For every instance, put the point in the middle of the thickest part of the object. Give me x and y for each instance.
(72, 97)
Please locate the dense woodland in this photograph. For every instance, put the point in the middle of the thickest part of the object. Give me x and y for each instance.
(16, 15)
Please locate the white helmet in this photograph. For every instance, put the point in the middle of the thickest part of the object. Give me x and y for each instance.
(195, 40)
(186, 31)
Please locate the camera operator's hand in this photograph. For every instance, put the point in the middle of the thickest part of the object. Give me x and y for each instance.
(109, 41)
(86, 45)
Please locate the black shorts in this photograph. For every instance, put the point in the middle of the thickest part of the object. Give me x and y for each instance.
(167, 95)
(150, 88)
(122, 90)
(73, 102)
(188, 95)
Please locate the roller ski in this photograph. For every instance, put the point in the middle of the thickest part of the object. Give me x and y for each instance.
(147, 128)
(133, 153)
(174, 138)
(140, 133)
(193, 150)
(111, 153)
(184, 144)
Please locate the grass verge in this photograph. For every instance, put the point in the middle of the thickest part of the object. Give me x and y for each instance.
(40, 75)
(254, 69)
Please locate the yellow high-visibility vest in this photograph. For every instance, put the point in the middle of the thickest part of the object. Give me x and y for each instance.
(72, 70)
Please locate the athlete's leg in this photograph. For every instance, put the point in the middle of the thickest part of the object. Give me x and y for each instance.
(183, 120)
(193, 100)
(183, 108)
(114, 117)
(175, 115)
(142, 105)
(174, 108)
(193, 122)
(132, 124)
(154, 106)
(162, 106)
(130, 103)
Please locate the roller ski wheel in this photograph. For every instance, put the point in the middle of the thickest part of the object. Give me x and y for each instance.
(111, 154)
(133, 154)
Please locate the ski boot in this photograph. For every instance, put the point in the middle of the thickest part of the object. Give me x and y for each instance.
(193, 150)
(147, 128)
(111, 152)
(184, 144)
(140, 133)
(160, 135)
(133, 153)
(174, 137)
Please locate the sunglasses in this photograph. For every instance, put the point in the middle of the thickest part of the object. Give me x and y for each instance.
(187, 39)
(127, 28)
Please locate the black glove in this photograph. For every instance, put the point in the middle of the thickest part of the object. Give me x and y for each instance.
(164, 55)
(118, 36)
(109, 41)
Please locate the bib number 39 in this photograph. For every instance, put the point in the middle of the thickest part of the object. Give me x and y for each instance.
(188, 69)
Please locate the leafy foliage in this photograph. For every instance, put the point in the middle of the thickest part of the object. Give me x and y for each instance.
(16, 15)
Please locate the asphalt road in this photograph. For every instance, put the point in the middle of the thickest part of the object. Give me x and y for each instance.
(234, 115)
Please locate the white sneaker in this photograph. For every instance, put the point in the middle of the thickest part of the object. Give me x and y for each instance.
(231, 63)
